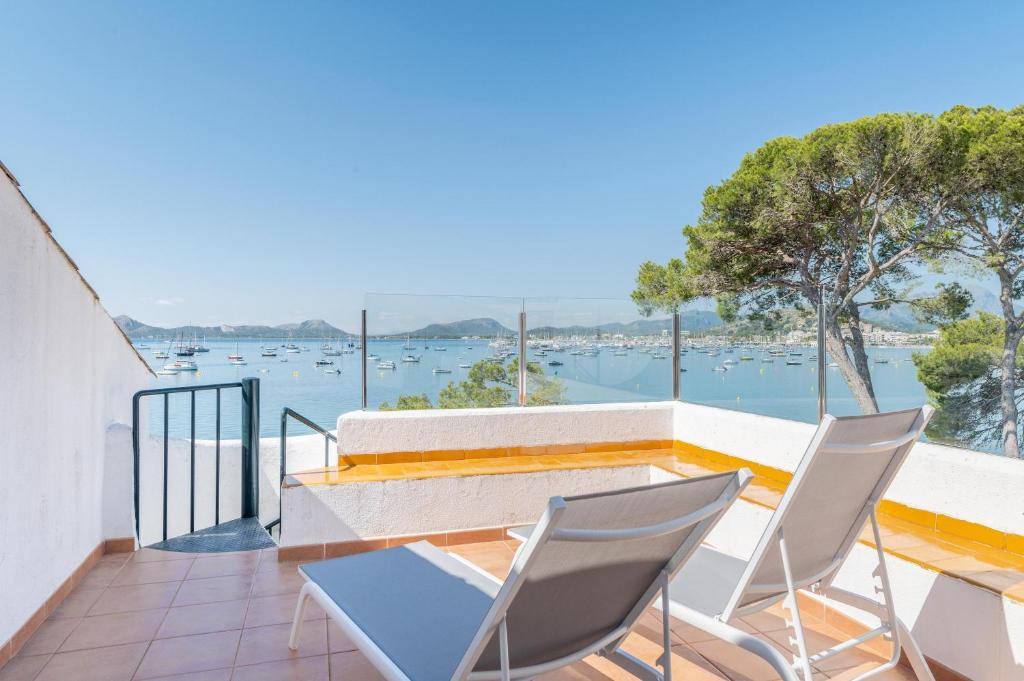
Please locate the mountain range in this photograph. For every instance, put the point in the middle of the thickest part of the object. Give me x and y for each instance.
(897, 317)
(311, 328)
(692, 320)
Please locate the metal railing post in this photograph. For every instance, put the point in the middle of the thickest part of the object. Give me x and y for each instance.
(362, 353)
(822, 378)
(250, 446)
(675, 355)
(522, 359)
(135, 456)
(284, 465)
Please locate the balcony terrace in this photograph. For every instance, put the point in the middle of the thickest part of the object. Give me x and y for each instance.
(83, 597)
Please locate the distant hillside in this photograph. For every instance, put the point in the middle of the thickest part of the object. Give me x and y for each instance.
(484, 326)
(311, 328)
(691, 320)
(901, 318)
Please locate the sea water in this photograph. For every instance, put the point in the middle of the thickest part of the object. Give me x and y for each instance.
(292, 380)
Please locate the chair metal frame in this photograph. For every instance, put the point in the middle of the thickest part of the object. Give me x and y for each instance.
(821, 583)
(548, 529)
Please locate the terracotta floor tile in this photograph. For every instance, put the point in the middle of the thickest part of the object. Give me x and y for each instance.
(690, 634)
(23, 667)
(737, 664)
(49, 636)
(116, 663)
(152, 572)
(649, 627)
(213, 589)
(279, 567)
(189, 654)
(145, 555)
(204, 618)
(270, 643)
(138, 597)
(100, 576)
(771, 619)
(209, 675)
(823, 636)
(337, 640)
(77, 603)
(278, 610)
(220, 566)
(686, 665)
(276, 583)
(300, 669)
(353, 667)
(899, 673)
(115, 558)
(649, 648)
(114, 629)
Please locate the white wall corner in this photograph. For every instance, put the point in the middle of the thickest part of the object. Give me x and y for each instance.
(118, 484)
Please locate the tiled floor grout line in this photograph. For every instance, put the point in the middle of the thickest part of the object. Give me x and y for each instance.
(245, 615)
(149, 643)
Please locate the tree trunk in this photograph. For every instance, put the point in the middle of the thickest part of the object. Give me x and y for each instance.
(1008, 390)
(855, 371)
(1008, 365)
(860, 359)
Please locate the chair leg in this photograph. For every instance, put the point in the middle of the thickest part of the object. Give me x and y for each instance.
(917, 659)
(300, 610)
(727, 632)
(790, 604)
(666, 627)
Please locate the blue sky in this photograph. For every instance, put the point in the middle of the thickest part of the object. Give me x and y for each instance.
(272, 162)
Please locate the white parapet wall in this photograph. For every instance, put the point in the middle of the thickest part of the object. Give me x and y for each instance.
(370, 432)
(390, 508)
(960, 483)
(68, 379)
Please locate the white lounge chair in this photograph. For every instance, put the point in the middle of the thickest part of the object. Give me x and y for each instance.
(593, 566)
(844, 473)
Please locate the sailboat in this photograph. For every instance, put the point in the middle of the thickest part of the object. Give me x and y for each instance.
(329, 349)
(236, 358)
(183, 350)
(196, 346)
(163, 354)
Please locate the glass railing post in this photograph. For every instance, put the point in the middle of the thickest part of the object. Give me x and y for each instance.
(822, 377)
(362, 354)
(676, 347)
(522, 359)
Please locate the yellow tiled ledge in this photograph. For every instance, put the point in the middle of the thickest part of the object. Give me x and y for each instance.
(974, 553)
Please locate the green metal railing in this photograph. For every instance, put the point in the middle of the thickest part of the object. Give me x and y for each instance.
(329, 437)
(250, 413)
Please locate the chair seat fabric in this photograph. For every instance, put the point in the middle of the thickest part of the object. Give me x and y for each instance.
(707, 581)
(419, 605)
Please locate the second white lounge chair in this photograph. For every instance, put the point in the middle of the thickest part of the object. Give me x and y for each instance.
(591, 568)
(845, 471)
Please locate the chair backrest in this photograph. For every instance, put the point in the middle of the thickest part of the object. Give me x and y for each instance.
(592, 566)
(848, 466)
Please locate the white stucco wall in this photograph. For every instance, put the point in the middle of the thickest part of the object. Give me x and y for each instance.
(403, 431)
(333, 513)
(937, 478)
(68, 378)
(980, 488)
